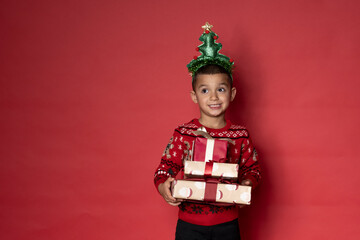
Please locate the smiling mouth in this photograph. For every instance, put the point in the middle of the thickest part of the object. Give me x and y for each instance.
(214, 105)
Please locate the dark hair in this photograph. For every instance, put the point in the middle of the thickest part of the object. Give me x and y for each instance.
(210, 69)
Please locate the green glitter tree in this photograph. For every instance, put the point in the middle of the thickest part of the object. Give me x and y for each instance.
(209, 50)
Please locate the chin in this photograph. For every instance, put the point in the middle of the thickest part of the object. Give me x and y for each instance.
(216, 115)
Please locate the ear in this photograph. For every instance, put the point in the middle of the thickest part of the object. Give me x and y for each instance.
(193, 96)
(233, 94)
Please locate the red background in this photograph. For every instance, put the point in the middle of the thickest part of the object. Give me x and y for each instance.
(91, 91)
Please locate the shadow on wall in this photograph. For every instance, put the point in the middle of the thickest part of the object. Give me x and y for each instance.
(245, 110)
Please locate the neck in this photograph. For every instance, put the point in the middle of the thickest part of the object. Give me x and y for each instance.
(214, 123)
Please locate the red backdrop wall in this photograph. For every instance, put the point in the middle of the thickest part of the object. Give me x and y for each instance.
(90, 92)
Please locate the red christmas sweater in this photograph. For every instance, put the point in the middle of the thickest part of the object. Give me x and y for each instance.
(179, 149)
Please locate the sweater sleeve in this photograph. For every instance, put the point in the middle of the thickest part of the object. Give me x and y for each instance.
(171, 160)
(249, 167)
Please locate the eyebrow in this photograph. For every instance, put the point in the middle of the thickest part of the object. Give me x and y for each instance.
(221, 84)
(202, 85)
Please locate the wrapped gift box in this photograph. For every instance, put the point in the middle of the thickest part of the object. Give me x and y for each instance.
(211, 192)
(206, 150)
(211, 169)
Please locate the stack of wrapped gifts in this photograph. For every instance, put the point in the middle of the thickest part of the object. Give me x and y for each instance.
(208, 176)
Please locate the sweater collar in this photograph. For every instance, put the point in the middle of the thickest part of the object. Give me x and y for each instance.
(198, 124)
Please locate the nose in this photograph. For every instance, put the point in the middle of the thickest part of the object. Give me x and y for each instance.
(214, 95)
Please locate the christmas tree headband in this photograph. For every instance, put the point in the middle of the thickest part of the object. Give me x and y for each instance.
(209, 50)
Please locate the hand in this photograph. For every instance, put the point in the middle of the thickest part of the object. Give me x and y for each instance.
(164, 189)
(246, 182)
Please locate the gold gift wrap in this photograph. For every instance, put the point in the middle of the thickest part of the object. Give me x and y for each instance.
(225, 193)
(224, 170)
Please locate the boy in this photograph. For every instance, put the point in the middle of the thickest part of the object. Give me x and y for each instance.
(213, 91)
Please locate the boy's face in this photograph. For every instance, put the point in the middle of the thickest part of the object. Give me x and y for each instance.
(213, 93)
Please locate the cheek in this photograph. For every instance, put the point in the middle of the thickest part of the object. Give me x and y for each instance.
(202, 99)
(226, 98)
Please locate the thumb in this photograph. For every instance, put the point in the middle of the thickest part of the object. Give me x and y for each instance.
(169, 181)
(246, 182)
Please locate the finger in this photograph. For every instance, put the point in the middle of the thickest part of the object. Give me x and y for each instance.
(169, 196)
(246, 182)
(174, 203)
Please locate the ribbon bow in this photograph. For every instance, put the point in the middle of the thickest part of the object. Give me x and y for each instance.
(202, 131)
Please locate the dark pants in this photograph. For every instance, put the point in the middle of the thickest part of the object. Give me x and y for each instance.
(223, 231)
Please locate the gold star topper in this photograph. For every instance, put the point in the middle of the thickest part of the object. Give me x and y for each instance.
(207, 27)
